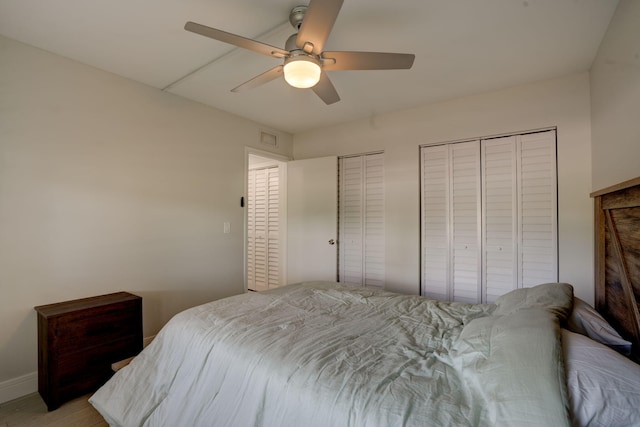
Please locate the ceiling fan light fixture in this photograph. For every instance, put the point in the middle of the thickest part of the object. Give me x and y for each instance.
(302, 71)
(305, 60)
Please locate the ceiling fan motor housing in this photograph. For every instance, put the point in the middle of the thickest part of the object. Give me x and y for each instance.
(290, 45)
(296, 16)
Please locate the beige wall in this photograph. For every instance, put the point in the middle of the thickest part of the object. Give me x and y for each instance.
(561, 102)
(615, 99)
(108, 185)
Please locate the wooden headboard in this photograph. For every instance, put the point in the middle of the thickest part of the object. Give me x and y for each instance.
(617, 220)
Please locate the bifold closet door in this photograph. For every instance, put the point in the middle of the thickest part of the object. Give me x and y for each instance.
(519, 200)
(489, 216)
(361, 220)
(451, 243)
(499, 216)
(538, 209)
(263, 228)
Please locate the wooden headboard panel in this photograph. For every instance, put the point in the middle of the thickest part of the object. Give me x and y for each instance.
(617, 219)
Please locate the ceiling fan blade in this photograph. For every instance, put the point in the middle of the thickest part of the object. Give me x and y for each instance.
(325, 90)
(263, 78)
(317, 24)
(366, 61)
(236, 40)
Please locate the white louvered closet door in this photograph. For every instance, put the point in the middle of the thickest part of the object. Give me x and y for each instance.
(273, 228)
(465, 220)
(499, 216)
(251, 230)
(538, 209)
(519, 212)
(263, 248)
(451, 221)
(361, 220)
(510, 206)
(435, 209)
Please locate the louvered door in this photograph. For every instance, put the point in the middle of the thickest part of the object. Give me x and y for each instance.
(263, 240)
(499, 216)
(251, 234)
(502, 191)
(538, 209)
(465, 221)
(361, 220)
(451, 221)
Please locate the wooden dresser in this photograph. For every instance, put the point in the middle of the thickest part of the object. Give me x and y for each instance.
(79, 340)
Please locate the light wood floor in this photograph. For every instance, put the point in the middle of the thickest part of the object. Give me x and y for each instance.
(30, 410)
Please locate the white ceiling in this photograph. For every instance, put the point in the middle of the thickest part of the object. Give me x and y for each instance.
(461, 46)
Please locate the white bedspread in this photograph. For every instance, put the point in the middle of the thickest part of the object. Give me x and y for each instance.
(321, 354)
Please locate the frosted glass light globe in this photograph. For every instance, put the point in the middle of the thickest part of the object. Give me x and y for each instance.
(302, 71)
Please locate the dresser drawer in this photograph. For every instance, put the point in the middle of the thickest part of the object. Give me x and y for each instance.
(83, 329)
(87, 370)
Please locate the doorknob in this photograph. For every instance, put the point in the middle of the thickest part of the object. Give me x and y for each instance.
(332, 242)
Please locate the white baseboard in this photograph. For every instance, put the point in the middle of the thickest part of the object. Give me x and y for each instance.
(27, 384)
(18, 387)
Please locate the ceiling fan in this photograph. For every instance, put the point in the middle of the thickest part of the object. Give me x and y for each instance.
(305, 61)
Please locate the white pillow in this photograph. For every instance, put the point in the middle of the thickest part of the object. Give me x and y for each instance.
(604, 386)
(585, 320)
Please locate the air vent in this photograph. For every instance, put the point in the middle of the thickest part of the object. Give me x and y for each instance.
(268, 139)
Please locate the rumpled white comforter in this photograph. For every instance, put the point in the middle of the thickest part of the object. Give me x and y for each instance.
(322, 354)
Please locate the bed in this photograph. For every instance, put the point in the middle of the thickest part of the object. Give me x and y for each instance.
(326, 354)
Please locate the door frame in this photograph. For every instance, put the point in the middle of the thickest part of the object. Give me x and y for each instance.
(283, 213)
